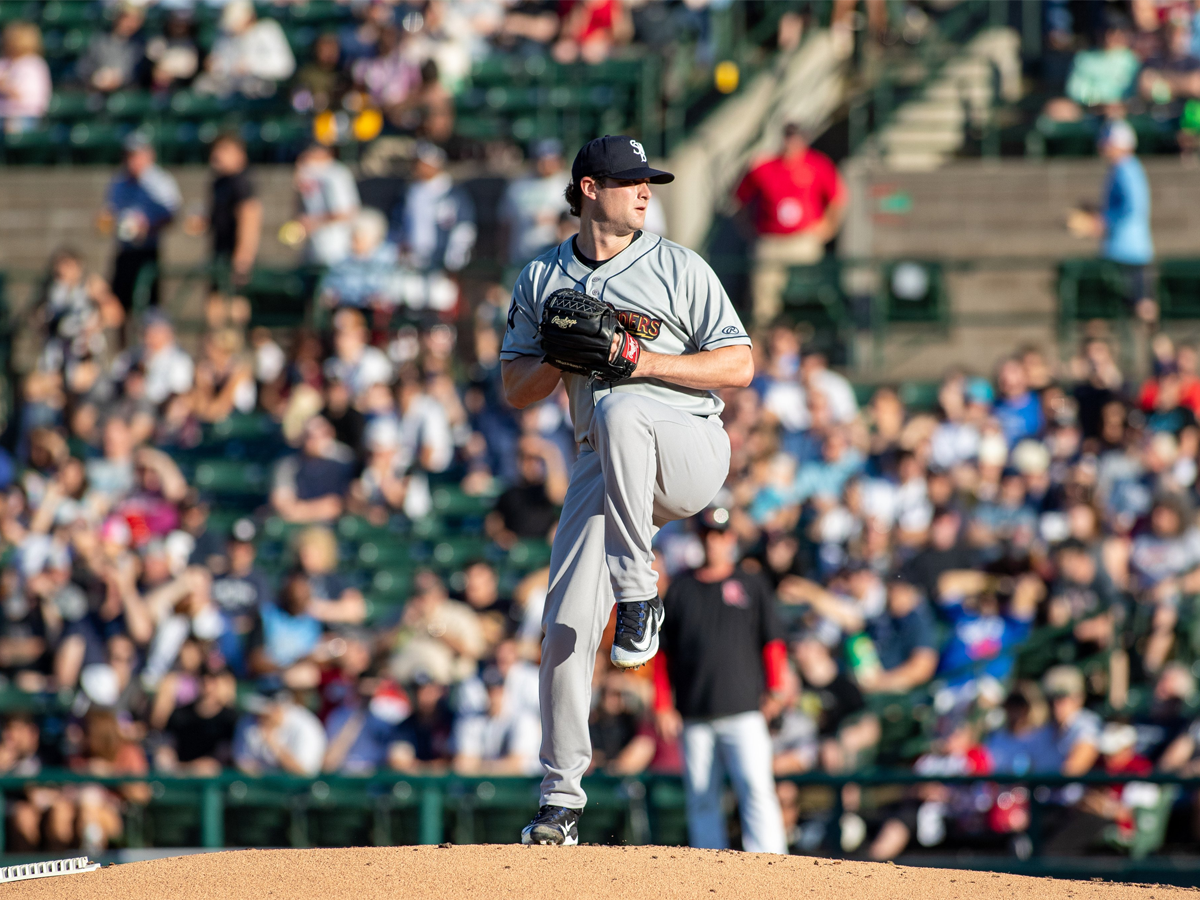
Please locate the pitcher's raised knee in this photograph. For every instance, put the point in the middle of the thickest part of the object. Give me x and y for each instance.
(622, 414)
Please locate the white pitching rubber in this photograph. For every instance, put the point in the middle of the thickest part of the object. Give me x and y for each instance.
(47, 869)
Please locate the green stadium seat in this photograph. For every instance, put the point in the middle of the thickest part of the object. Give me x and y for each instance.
(17, 10)
(280, 298)
(920, 395)
(222, 476)
(385, 554)
(71, 105)
(57, 13)
(529, 555)
(258, 815)
(668, 814)
(490, 811)
(1090, 289)
(1051, 138)
(391, 584)
(455, 552)
(914, 291)
(452, 500)
(1179, 288)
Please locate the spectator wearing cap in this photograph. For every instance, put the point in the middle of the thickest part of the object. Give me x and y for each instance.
(1069, 825)
(367, 277)
(240, 593)
(141, 201)
(797, 199)
(328, 204)
(502, 739)
(310, 486)
(278, 736)
(722, 651)
(251, 57)
(532, 205)
(434, 226)
(1123, 222)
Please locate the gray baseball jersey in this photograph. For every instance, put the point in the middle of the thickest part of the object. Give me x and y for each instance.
(664, 294)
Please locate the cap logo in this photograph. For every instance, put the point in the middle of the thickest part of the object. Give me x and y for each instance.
(638, 149)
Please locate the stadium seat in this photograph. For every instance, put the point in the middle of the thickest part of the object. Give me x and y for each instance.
(1179, 288)
(914, 291)
(1090, 289)
(226, 477)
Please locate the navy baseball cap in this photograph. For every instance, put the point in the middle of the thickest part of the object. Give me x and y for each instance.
(615, 156)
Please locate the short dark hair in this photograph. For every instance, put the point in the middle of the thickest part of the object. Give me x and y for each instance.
(574, 193)
(574, 198)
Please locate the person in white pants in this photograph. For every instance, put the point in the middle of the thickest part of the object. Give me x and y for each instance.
(722, 650)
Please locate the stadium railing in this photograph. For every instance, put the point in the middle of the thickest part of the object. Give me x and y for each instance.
(235, 809)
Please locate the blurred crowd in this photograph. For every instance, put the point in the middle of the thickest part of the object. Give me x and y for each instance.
(403, 58)
(1137, 57)
(1012, 565)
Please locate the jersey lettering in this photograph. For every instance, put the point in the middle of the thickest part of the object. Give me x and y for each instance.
(645, 327)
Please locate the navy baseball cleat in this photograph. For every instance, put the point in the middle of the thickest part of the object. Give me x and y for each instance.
(553, 825)
(636, 639)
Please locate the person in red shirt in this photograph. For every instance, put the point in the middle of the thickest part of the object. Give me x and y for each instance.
(797, 200)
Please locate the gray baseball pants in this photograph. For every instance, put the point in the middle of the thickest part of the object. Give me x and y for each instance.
(644, 464)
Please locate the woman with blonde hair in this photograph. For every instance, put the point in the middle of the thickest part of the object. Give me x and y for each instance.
(24, 78)
(333, 600)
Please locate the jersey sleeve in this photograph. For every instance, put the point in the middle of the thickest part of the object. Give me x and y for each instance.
(521, 333)
(715, 323)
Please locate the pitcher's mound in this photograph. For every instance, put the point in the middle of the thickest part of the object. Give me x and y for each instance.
(534, 873)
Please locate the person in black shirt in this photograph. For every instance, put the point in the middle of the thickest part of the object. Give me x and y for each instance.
(944, 553)
(201, 733)
(529, 509)
(239, 594)
(722, 649)
(235, 215)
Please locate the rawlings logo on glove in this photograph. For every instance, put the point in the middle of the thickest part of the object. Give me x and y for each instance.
(577, 334)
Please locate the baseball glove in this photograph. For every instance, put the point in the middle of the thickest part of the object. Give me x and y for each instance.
(577, 336)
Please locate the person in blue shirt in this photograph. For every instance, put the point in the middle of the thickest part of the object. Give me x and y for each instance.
(985, 636)
(141, 201)
(1019, 410)
(1123, 222)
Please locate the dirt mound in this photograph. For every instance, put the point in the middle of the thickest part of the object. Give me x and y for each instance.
(532, 873)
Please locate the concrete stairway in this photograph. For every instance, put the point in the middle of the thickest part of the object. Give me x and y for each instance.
(928, 130)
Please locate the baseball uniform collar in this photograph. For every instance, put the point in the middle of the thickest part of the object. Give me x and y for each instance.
(619, 263)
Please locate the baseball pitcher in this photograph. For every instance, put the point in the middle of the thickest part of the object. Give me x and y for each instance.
(642, 334)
